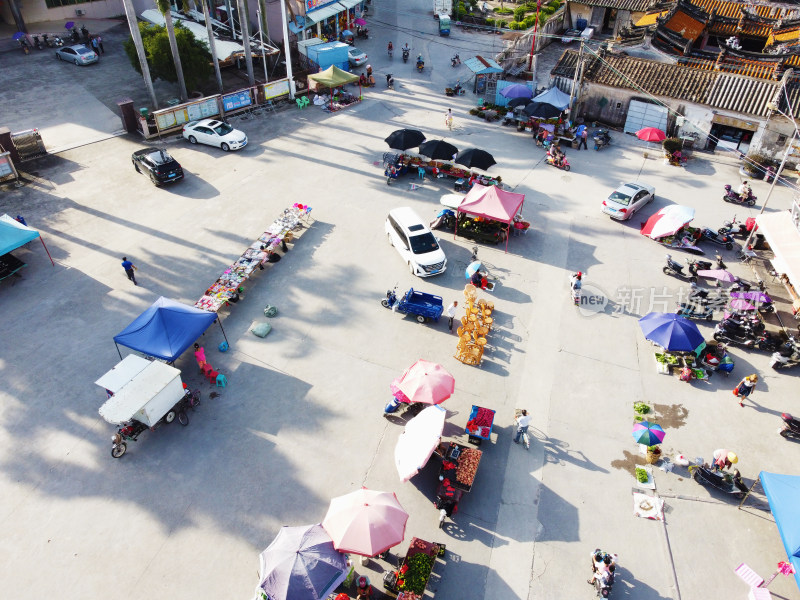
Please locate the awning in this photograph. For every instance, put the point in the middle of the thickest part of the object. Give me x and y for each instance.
(650, 19)
(734, 122)
(350, 3)
(320, 14)
(783, 237)
(482, 66)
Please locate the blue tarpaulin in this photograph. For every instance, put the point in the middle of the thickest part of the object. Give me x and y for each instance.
(14, 234)
(165, 329)
(783, 494)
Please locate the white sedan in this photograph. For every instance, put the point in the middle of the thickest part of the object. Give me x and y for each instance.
(214, 133)
(627, 199)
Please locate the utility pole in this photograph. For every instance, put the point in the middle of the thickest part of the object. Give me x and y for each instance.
(244, 26)
(533, 43)
(573, 92)
(212, 44)
(286, 51)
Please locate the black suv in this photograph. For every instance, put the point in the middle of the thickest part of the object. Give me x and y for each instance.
(157, 164)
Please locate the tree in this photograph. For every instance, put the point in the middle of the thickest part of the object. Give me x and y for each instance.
(139, 57)
(197, 59)
(165, 7)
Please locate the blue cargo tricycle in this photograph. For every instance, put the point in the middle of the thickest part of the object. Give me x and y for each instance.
(424, 306)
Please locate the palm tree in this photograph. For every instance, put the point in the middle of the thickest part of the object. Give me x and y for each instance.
(211, 45)
(133, 25)
(165, 7)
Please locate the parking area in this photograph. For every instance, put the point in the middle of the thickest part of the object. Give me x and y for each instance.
(187, 510)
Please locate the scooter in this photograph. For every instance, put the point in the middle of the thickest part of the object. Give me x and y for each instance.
(37, 42)
(564, 162)
(390, 175)
(409, 409)
(762, 301)
(601, 139)
(715, 358)
(735, 228)
(791, 426)
(420, 63)
(690, 310)
(390, 81)
(603, 585)
(724, 482)
(54, 42)
(788, 355)
(675, 269)
(745, 337)
(455, 61)
(390, 50)
(734, 198)
(128, 432)
(709, 235)
(406, 52)
(362, 32)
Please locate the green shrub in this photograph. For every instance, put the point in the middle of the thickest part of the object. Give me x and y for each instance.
(672, 145)
(474, 111)
(519, 13)
(490, 22)
(503, 11)
(642, 408)
(515, 25)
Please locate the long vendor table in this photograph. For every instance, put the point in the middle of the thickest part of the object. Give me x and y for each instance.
(227, 284)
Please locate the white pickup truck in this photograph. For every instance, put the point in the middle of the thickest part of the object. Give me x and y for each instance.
(442, 7)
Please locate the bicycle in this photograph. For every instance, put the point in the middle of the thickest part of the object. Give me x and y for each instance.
(525, 439)
(190, 400)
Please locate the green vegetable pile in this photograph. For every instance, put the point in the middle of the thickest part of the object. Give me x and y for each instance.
(419, 569)
(641, 408)
(641, 475)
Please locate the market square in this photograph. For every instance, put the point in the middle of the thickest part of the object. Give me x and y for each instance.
(187, 510)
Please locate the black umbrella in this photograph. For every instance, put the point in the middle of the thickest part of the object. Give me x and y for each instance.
(475, 158)
(542, 110)
(438, 150)
(515, 102)
(403, 139)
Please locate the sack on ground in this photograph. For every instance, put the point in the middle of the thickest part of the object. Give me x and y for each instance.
(261, 329)
(270, 311)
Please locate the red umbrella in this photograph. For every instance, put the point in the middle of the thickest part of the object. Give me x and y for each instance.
(651, 134)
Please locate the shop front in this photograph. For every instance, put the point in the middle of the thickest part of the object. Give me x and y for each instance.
(731, 133)
(329, 19)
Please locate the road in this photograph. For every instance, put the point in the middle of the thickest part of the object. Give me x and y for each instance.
(187, 510)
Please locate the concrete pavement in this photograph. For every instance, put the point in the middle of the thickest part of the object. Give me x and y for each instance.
(187, 510)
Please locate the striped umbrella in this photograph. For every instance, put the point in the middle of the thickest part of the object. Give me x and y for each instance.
(648, 434)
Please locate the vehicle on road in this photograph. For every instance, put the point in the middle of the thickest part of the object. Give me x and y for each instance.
(77, 54)
(214, 133)
(157, 164)
(628, 199)
(414, 241)
(425, 306)
(356, 57)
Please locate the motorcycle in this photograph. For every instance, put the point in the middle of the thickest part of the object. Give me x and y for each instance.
(734, 198)
(128, 432)
(709, 235)
(390, 81)
(603, 582)
(420, 63)
(691, 310)
(362, 32)
(406, 52)
(37, 42)
(675, 269)
(736, 228)
(75, 37)
(788, 355)
(601, 139)
(743, 336)
(26, 48)
(390, 49)
(564, 164)
(390, 173)
(762, 301)
(791, 426)
(455, 61)
(724, 482)
(715, 358)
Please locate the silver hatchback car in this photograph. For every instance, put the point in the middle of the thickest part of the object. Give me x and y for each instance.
(78, 54)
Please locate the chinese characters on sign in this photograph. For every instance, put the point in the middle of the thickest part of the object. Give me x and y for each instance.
(236, 100)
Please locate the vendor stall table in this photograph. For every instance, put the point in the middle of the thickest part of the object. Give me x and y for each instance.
(411, 579)
(227, 286)
(460, 465)
(481, 420)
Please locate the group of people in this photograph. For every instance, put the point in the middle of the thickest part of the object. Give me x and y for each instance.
(603, 567)
(367, 79)
(556, 154)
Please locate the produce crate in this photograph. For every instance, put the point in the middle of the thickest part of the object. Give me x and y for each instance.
(460, 466)
(477, 430)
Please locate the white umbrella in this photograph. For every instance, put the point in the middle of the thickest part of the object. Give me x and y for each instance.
(667, 221)
(420, 438)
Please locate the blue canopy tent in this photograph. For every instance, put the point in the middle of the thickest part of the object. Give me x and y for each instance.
(166, 329)
(783, 494)
(14, 234)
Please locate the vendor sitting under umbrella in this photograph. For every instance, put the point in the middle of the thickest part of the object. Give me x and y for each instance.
(363, 588)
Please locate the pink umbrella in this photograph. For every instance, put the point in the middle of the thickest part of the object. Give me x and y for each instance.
(360, 21)
(651, 134)
(668, 221)
(365, 522)
(741, 304)
(425, 382)
(720, 274)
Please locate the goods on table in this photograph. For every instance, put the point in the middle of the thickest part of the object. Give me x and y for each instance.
(416, 577)
(480, 423)
(468, 462)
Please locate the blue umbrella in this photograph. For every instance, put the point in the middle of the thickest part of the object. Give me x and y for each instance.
(671, 332)
(69, 25)
(18, 35)
(301, 564)
(516, 90)
(472, 268)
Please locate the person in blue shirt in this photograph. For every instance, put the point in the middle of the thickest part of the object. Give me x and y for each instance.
(129, 269)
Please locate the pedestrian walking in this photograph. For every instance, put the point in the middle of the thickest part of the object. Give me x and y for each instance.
(129, 269)
(451, 314)
(523, 421)
(745, 388)
(421, 172)
(448, 118)
(584, 136)
(100, 43)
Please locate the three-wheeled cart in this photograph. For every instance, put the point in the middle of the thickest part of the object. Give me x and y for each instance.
(411, 578)
(456, 476)
(141, 395)
(425, 306)
(479, 425)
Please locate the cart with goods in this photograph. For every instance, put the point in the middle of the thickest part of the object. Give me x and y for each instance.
(459, 466)
(409, 581)
(479, 425)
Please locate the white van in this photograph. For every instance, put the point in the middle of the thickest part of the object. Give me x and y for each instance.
(415, 243)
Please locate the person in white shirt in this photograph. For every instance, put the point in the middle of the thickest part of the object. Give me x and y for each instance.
(745, 191)
(523, 421)
(451, 314)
